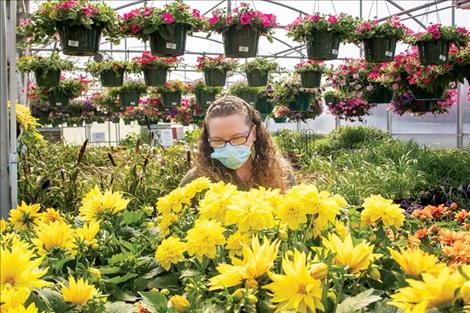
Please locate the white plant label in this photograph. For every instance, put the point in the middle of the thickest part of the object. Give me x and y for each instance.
(132, 103)
(174, 103)
(389, 53)
(442, 57)
(171, 45)
(59, 104)
(334, 51)
(73, 43)
(243, 49)
(208, 102)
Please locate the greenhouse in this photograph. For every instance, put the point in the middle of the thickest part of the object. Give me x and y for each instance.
(235, 156)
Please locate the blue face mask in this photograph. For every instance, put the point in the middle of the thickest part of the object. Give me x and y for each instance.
(232, 157)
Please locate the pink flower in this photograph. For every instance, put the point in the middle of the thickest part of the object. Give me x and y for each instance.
(461, 30)
(135, 29)
(314, 18)
(268, 20)
(88, 11)
(196, 13)
(214, 19)
(168, 18)
(67, 5)
(332, 19)
(229, 20)
(436, 35)
(131, 14)
(148, 11)
(245, 19)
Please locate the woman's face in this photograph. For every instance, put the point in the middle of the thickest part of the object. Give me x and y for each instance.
(232, 127)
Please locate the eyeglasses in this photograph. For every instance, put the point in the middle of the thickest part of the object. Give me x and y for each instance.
(235, 141)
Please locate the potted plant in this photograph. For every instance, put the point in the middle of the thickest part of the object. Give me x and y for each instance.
(280, 113)
(245, 92)
(406, 103)
(165, 28)
(46, 69)
(460, 63)
(171, 93)
(257, 71)
(151, 108)
(289, 92)
(79, 23)
(155, 68)
(433, 44)
(241, 29)
(380, 39)
(379, 88)
(310, 73)
(215, 69)
(204, 94)
(322, 33)
(111, 72)
(67, 89)
(346, 107)
(129, 93)
(264, 102)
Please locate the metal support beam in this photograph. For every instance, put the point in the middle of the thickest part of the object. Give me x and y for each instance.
(420, 7)
(286, 6)
(428, 12)
(399, 7)
(11, 45)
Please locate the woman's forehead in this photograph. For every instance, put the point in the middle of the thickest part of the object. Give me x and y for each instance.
(227, 126)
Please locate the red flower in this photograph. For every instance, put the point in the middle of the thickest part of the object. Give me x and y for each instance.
(332, 19)
(148, 11)
(196, 13)
(135, 29)
(245, 19)
(214, 19)
(168, 18)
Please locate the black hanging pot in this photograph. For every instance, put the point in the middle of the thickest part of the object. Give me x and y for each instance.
(112, 78)
(280, 119)
(437, 94)
(127, 121)
(311, 79)
(378, 50)
(323, 45)
(433, 52)
(241, 41)
(249, 97)
(301, 103)
(58, 101)
(257, 78)
(204, 99)
(155, 76)
(264, 107)
(129, 98)
(379, 94)
(423, 106)
(47, 79)
(171, 99)
(215, 77)
(78, 40)
(331, 100)
(169, 40)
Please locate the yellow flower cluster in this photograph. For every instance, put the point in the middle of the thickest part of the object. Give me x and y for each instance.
(170, 251)
(96, 204)
(415, 261)
(204, 237)
(378, 209)
(78, 292)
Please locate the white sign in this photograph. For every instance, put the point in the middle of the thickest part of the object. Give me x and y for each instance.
(334, 51)
(243, 49)
(171, 45)
(73, 43)
(442, 57)
(389, 53)
(98, 137)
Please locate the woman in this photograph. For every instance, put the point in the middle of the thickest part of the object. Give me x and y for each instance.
(236, 148)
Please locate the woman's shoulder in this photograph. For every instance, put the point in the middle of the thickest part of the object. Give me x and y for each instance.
(191, 175)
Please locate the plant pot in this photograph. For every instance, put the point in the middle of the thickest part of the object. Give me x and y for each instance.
(311, 79)
(323, 45)
(433, 52)
(112, 78)
(127, 122)
(241, 42)
(155, 76)
(279, 119)
(142, 122)
(130, 98)
(48, 79)
(204, 99)
(58, 101)
(171, 99)
(257, 78)
(169, 40)
(79, 40)
(423, 106)
(248, 96)
(215, 77)
(422, 94)
(378, 50)
(379, 94)
(264, 107)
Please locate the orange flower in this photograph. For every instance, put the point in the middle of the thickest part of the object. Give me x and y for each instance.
(421, 233)
(454, 206)
(459, 253)
(461, 216)
(448, 237)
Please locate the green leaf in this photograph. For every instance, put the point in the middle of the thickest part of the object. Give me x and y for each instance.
(358, 302)
(117, 258)
(155, 302)
(119, 307)
(120, 279)
(131, 217)
(57, 265)
(166, 281)
(189, 273)
(109, 270)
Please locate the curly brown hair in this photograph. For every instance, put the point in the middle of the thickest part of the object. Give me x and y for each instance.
(269, 169)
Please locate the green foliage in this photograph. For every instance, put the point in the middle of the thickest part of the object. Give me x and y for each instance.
(241, 87)
(127, 87)
(260, 64)
(35, 63)
(216, 63)
(96, 68)
(200, 86)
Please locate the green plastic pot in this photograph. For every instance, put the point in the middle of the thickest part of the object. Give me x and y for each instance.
(301, 103)
(330, 100)
(155, 76)
(323, 45)
(127, 122)
(433, 52)
(171, 99)
(78, 40)
(311, 79)
(379, 94)
(58, 100)
(112, 78)
(257, 78)
(169, 40)
(241, 41)
(215, 77)
(248, 96)
(280, 119)
(204, 99)
(48, 79)
(378, 50)
(423, 106)
(437, 93)
(264, 107)
(130, 98)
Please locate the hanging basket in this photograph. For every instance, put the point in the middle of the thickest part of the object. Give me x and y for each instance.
(171, 99)
(248, 96)
(280, 119)
(155, 76)
(241, 42)
(127, 122)
(58, 100)
(311, 79)
(323, 45)
(130, 98)
(79, 40)
(48, 79)
(380, 94)
(214, 77)
(331, 100)
(204, 99)
(422, 94)
(423, 106)
(169, 40)
(257, 78)
(433, 52)
(378, 50)
(301, 103)
(264, 107)
(112, 78)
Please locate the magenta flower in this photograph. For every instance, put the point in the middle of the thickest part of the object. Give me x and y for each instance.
(229, 20)
(135, 29)
(214, 19)
(88, 11)
(67, 5)
(196, 13)
(332, 19)
(148, 11)
(268, 20)
(314, 18)
(168, 18)
(245, 19)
